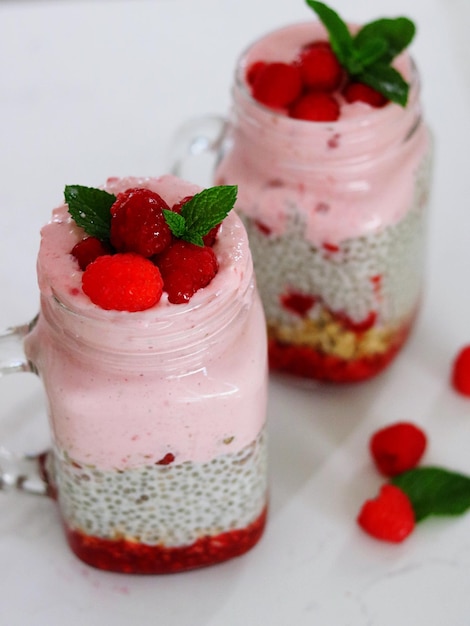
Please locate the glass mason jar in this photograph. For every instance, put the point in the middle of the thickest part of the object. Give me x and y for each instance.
(335, 214)
(158, 458)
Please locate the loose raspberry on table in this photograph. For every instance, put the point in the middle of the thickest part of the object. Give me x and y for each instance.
(186, 268)
(138, 224)
(397, 448)
(389, 517)
(123, 282)
(277, 85)
(359, 92)
(316, 107)
(319, 67)
(461, 372)
(89, 249)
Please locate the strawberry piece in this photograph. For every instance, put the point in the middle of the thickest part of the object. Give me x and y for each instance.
(277, 85)
(166, 460)
(319, 67)
(299, 303)
(389, 517)
(138, 224)
(185, 269)
(263, 228)
(211, 236)
(397, 448)
(355, 92)
(123, 282)
(461, 372)
(89, 249)
(315, 107)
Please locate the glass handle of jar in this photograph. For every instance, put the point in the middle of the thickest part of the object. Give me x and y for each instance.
(26, 473)
(196, 148)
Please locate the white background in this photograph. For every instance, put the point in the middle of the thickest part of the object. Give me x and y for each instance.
(97, 88)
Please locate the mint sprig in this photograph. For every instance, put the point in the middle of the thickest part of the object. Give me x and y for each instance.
(201, 213)
(90, 209)
(435, 491)
(367, 56)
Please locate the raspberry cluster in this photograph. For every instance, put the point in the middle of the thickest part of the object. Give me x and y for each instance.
(142, 257)
(312, 87)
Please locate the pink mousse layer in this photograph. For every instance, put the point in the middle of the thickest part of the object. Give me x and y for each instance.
(127, 402)
(336, 172)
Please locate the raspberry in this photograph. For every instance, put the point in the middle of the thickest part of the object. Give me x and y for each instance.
(390, 517)
(89, 249)
(185, 268)
(123, 282)
(397, 448)
(315, 107)
(319, 67)
(138, 224)
(360, 92)
(252, 71)
(277, 85)
(210, 237)
(461, 372)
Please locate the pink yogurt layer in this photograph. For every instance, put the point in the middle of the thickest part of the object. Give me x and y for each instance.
(338, 176)
(137, 393)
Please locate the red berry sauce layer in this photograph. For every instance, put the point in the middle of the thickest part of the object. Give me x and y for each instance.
(130, 557)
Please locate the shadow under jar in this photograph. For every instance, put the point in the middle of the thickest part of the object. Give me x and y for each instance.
(335, 214)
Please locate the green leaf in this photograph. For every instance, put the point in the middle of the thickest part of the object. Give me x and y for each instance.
(175, 221)
(371, 50)
(340, 37)
(368, 54)
(435, 491)
(397, 33)
(201, 213)
(385, 79)
(90, 209)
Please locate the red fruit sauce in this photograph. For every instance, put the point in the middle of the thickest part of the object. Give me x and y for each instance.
(306, 362)
(137, 558)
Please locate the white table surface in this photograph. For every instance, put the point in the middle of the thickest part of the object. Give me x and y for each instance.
(98, 87)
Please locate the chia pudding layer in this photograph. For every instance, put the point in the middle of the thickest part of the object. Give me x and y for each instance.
(167, 506)
(341, 310)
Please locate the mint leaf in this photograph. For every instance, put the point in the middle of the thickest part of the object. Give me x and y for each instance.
(340, 37)
(201, 213)
(371, 50)
(175, 221)
(397, 33)
(385, 79)
(208, 208)
(367, 56)
(435, 491)
(90, 209)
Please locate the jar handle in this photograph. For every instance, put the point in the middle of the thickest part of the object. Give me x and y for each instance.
(199, 137)
(26, 473)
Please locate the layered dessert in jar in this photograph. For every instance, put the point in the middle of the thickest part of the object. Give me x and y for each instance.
(151, 346)
(328, 146)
